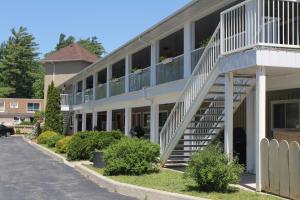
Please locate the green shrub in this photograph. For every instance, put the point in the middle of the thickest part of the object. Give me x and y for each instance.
(213, 170)
(51, 142)
(131, 157)
(62, 144)
(83, 144)
(43, 137)
(18, 132)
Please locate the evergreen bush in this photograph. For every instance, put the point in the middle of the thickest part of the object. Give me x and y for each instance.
(62, 145)
(43, 137)
(51, 142)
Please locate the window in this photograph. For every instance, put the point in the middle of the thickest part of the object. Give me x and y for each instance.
(2, 106)
(14, 105)
(163, 116)
(32, 107)
(146, 119)
(286, 114)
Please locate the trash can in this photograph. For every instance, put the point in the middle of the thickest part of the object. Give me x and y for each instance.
(98, 159)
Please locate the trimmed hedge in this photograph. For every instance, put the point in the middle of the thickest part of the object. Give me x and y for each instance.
(131, 157)
(51, 142)
(212, 170)
(43, 137)
(62, 145)
(83, 144)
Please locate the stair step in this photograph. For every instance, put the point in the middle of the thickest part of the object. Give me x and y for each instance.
(239, 76)
(180, 156)
(206, 121)
(235, 85)
(217, 100)
(190, 145)
(200, 115)
(185, 151)
(176, 165)
(212, 108)
(216, 92)
(195, 140)
(198, 134)
(199, 128)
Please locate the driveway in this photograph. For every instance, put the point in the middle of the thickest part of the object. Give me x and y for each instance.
(28, 174)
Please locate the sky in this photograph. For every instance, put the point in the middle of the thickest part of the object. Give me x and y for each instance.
(114, 22)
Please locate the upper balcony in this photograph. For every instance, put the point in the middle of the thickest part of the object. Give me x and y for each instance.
(250, 24)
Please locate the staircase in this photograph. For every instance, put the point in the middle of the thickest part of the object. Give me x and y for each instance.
(66, 121)
(198, 116)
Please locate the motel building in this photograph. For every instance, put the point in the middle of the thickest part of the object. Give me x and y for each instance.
(214, 70)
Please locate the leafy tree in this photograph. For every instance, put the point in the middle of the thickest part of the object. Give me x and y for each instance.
(91, 44)
(38, 85)
(53, 115)
(18, 64)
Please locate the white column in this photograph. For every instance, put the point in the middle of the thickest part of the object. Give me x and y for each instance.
(260, 116)
(154, 123)
(154, 58)
(83, 91)
(74, 93)
(187, 48)
(84, 121)
(109, 120)
(228, 131)
(95, 116)
(250, 131)
(75, 123)
(127, 72)
(94, 85)
(128, 121)
(108, 76)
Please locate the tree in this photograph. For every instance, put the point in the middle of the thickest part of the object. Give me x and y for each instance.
(18, 64)
(53, 115)
(91, 44)
(38, 85)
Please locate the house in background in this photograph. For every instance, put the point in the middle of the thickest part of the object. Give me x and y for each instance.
(217, 69)
(65, 63)
(13, 111)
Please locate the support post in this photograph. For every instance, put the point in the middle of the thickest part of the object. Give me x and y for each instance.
(187, 49)
(95, 116)
(228, 132)
(109, 120)
(127, 72)
(108, 74)
(250, 131)
(154, 56)
(83, 90)
(260, 116)
(75, 125)
(154, 123)
(94, 85)
(83, 121)
(128, 121)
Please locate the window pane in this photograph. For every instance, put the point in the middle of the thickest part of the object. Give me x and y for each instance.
(292, 115)
(162, 118)
(279, 116)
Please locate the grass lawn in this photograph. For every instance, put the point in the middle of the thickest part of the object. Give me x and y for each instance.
(171, 181)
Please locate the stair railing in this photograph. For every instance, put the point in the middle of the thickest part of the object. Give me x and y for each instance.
(193, 87)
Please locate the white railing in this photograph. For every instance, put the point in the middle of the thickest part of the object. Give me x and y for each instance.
(170, 70)
(88, 95)
(193, 87)
(78, 98)
(139, 79)
(195, 56)
(101, 91)
(260, 22)
(66, 99)
(117, 86)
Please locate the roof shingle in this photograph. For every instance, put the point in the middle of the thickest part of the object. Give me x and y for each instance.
(73, 52)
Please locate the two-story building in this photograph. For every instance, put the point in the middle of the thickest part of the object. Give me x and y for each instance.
(213, 69)
(15, 110)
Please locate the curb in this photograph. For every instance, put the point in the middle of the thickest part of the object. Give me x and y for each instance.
(111, 185)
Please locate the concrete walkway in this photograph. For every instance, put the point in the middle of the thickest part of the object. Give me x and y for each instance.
(28, 174)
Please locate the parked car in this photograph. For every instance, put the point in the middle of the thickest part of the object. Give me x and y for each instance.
(6, 131)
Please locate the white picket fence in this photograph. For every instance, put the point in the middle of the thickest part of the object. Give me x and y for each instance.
(280, 165)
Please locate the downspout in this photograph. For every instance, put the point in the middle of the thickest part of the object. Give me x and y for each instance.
(53, 74)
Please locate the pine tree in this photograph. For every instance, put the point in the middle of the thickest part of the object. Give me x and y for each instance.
(18, 64)
(53, 115)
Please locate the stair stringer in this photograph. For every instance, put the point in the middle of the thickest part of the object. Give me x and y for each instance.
(190, 114)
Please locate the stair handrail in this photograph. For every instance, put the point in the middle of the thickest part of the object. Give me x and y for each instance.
(206, 62)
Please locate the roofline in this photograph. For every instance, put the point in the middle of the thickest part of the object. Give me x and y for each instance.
(20, 99)
(68, 60)
(138, 37)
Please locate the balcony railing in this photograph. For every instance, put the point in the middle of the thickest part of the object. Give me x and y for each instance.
(195, 56)
(260, 22)
(139, 79)
(88, 95)
(78, 97)
(101, 91)
(66, 99)
(170, 70)
(117, 86)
